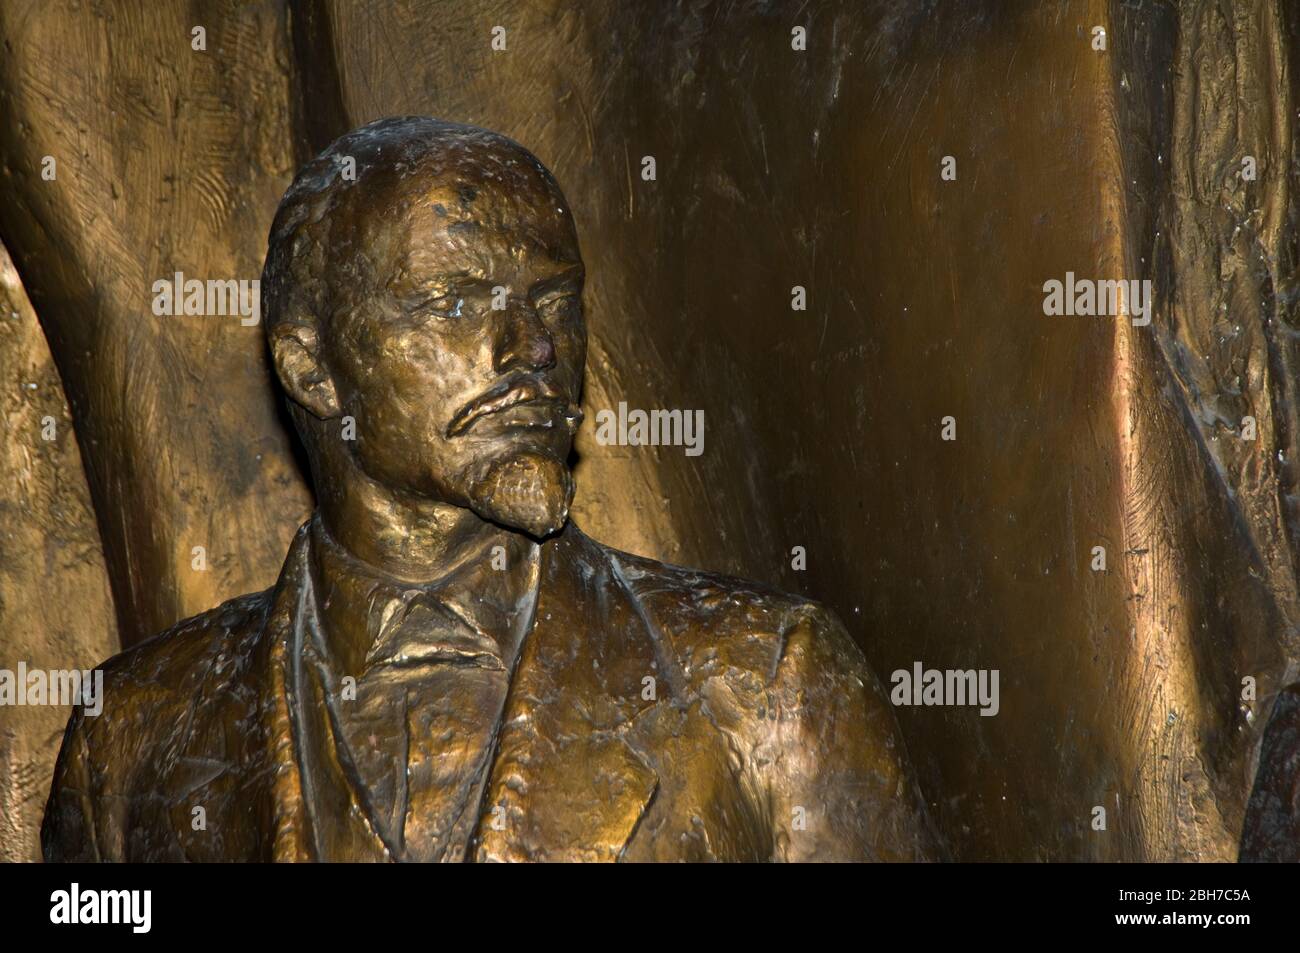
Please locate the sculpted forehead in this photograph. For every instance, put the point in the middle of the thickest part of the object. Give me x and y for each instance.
(468, 204)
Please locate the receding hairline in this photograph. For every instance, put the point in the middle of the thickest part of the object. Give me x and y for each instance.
(449, 153)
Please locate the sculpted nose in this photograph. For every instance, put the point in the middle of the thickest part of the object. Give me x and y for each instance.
(524, 342)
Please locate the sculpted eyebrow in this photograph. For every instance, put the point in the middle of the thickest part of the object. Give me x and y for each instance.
(435, 287)
(570, 278)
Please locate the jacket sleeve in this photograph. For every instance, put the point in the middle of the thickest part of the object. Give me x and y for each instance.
(843, 788)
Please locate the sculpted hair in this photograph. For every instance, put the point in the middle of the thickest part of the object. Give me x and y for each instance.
(296, 284)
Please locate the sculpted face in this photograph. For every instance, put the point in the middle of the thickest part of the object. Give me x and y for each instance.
(458, 343)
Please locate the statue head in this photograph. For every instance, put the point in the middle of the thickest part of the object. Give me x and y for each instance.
(422, 301)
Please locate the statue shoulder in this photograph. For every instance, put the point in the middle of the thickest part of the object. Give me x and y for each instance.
(741, 623)
(145, 702)
(791, 686)
(174, 657)
(148, 688)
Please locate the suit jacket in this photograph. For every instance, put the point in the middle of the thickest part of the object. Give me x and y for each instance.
(766, 736)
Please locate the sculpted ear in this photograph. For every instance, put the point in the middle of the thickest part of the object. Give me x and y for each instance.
(295, 348)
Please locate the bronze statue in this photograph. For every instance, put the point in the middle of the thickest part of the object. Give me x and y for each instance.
(447, 668)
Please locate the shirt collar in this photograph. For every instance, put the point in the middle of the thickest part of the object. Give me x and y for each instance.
(369, 618)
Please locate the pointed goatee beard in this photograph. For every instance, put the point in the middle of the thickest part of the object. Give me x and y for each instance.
(528, 491)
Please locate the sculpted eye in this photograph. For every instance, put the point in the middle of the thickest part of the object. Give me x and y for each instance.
(444, 307)
(560, 305)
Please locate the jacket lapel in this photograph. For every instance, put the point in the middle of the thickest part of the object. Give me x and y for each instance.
(566, 784)
(319, 818)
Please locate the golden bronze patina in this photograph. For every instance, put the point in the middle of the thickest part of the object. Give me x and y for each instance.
(1123, 688)
(448, 668)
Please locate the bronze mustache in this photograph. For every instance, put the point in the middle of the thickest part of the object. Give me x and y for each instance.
(509, 393)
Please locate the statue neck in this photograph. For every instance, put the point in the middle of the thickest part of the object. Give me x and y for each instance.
(412, 538)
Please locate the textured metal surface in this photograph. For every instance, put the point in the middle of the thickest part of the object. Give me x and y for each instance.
(777, 168)
(54, 598)
(169, 160)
